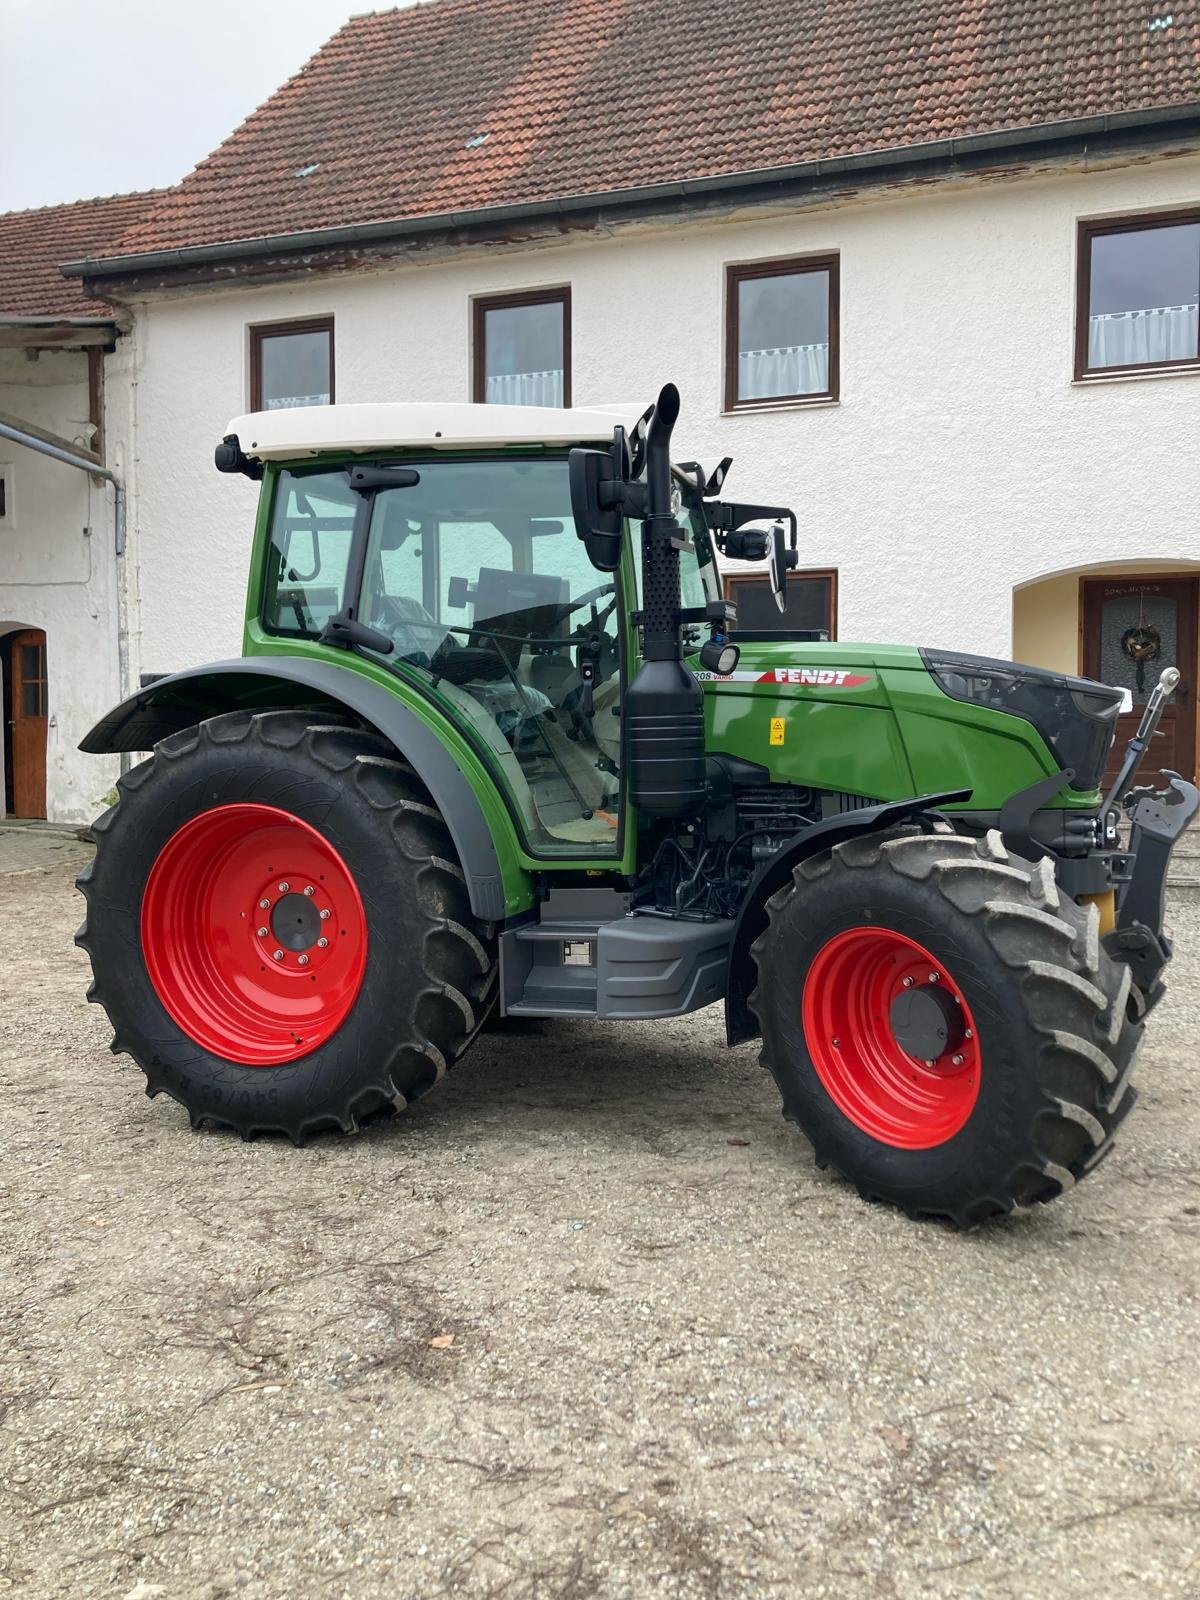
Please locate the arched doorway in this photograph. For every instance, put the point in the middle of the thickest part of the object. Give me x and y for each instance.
(26, 720)
(1122, 622)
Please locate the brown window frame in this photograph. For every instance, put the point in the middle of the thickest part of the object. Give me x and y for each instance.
(728, 578)
(275, 330)
(735, 275)
(1087, 233)
(482, 304)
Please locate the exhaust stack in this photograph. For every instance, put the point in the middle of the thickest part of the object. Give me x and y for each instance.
(663, 715)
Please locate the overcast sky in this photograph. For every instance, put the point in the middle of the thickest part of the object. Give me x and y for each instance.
(103, 96)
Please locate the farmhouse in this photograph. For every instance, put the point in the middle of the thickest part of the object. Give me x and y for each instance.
(929, 275)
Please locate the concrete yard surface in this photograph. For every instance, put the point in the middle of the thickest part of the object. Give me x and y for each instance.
(586, 1321)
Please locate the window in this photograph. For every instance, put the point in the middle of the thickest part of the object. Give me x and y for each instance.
(698, 576)
(291, 364)
(32, 678)
(7, 518)
(523, 349)
(811, 603)
(781, 332)
(311, 528)
(1138, 294)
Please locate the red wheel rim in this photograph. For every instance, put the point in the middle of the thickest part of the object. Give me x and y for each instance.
(254, 934)
(864, 986)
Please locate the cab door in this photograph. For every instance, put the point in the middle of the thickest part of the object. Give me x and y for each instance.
(478, 577)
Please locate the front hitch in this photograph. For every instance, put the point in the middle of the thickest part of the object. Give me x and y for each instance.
(1157, 819)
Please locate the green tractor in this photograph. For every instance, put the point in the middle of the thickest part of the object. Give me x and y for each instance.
(488, 753)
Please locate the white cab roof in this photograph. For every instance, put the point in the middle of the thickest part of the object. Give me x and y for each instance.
(448, 425)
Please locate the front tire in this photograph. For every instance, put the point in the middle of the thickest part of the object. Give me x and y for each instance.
(943, 1024)
(278, 926)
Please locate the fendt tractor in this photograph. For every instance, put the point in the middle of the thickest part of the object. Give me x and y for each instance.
(490, 754)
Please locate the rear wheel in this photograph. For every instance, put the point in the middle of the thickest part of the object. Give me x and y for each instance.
(943, 1024)
(279, 928)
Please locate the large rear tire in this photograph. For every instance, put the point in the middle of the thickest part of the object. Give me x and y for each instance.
(943, 1024)
(279, 928)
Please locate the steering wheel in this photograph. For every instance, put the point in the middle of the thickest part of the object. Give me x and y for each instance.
(570, 606)
(587, 599)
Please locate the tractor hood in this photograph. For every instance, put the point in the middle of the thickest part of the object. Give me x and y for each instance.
(1077, 717)
(889, 721)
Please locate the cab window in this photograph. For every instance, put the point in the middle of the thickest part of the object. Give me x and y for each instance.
(311, 527)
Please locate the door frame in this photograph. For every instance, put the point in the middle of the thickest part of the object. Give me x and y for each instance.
(1190, 577)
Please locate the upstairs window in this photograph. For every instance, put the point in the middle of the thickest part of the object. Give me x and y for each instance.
(1139, 294)
(291, 364)
(781, 329)
(523, 349)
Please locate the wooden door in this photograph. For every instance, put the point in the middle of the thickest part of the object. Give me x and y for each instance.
(28, 714)
(1155, 617)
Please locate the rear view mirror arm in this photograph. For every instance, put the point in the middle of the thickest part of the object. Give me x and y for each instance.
(728, 516)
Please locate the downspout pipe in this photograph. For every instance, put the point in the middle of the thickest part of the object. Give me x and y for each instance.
(71, 459)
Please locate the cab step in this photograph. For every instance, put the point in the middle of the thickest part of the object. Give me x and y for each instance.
(590, 955)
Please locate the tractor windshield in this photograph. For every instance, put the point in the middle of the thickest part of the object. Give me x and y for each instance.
(697, 569)
(477, 577)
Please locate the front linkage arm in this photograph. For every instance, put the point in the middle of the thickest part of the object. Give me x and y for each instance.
(1139, 874)
(1158, 817)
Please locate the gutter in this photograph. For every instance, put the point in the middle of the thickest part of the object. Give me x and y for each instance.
(934, 152)
(56, 452)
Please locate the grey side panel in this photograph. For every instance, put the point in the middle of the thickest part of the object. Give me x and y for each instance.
(642, 966)
(185, 698)
(660, 967)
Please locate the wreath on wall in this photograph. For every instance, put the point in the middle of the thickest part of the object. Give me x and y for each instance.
(1141, 643)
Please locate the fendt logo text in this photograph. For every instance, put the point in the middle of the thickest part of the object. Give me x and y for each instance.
(821, 677)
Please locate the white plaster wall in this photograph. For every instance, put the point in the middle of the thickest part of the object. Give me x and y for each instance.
(57, 573)
(960, 461)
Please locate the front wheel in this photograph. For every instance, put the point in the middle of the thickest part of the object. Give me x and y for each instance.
(943, 1024)
(279, 928)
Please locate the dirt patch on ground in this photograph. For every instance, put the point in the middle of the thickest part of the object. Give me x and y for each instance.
(585, 1322)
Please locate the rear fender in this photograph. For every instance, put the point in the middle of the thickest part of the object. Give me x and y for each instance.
(740, 1022)
(171, 704)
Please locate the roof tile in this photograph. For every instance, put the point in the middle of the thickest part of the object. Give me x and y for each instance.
(32, 243)
(581, 97)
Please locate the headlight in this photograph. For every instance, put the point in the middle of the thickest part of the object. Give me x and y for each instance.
(719, 657)
(1075, 716)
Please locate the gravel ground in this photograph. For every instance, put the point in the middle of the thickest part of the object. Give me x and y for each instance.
(586, 1322)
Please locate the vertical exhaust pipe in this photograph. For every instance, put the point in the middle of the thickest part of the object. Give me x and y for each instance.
(663, 715)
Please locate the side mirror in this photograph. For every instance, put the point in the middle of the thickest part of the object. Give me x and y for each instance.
(778, 571)
(599, 525)
(782, 559)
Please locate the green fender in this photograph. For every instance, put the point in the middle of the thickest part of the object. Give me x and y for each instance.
(179, 701)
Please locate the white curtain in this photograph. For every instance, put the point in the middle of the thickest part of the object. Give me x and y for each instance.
(794, 369)
(284, 402)
(525, 389)
(1159, 333)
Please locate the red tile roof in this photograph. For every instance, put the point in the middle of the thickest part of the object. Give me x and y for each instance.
(463, 104)
(32, 243)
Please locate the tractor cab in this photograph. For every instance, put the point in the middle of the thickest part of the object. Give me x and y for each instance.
(458, 558)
